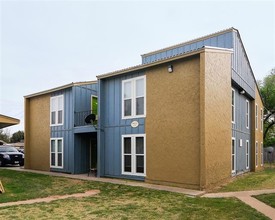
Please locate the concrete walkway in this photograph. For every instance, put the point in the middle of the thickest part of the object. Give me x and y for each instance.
(188, 192)
(50, 198)
(246, 197)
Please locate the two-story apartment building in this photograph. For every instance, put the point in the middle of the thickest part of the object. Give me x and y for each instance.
(56, 135)
(190, 115)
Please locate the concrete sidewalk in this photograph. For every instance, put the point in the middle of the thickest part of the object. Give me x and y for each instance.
(188, 192)
(246, 197)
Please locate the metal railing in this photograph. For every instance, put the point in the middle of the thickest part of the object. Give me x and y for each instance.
(79, 118)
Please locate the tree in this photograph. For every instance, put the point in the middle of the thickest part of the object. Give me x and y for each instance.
(17, 136)
(267, 89)
(4, 135)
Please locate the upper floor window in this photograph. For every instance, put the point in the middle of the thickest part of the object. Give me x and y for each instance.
(256, 117)
(247, 114)
(262, 120)
(233, 106)
(57, 109)
(134, 97)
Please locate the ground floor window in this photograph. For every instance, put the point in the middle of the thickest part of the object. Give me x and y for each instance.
(233, 155)
(256, 154)
(262, 154)
(133, 154)
(56, 159)
(247, 154)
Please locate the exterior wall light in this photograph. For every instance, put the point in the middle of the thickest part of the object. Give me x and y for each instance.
(242, 92)
(170, 69)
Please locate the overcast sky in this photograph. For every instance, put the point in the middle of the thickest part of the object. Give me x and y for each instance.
(45, 44)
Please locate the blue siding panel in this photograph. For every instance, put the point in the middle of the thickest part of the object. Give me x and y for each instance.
(113, 126)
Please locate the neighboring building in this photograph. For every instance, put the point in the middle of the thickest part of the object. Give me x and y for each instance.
(190, 115)
(56, 135)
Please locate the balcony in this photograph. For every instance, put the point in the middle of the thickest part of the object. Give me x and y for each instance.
(79, 118)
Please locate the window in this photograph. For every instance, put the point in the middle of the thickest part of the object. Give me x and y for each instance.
(256, 154)
(247, 154)
(262, 154)
(134, 97)
(262, 120)
(133, 155)
(247, 114)
(256, 117)
(233, 158)
(233, 106)
(57, 110)
(56, 153)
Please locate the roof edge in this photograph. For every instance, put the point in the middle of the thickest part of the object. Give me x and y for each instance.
(190, 41)
(60, 88)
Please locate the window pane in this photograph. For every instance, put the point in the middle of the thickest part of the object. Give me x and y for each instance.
(53, 159)
(127, 145)
(60, 117)
(59, 145)
(233, 97)
(233, 148)
(127, 163)
(233, 165)
(139, 145)
(140, 106)
(60, 103)
(140, 164)
(53, 118)
(140, 87)
(52, 146)
(127, 90)
(127, 107)
(59, 161)
(53, 104)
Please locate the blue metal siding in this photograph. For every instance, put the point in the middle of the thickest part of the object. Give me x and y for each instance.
(65, 131)
(241, 71)
(239, 130)
(113, 126)
(224, 40)
(76, 98)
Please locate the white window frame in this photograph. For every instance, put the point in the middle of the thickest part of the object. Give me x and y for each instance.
(56, 110)
(262, 120)
(56, 153)
(247, 161)
(133, 154)
(234, 170)
(233, 106)
(256, 116)
(262, 154)
(133, 98)
(247, 114)
(256, 154)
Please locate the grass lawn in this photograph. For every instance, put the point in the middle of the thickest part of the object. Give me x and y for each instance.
(251, 181)
(114, 201)
(268, 199)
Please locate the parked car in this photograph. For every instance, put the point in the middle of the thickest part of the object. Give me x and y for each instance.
(10, 155)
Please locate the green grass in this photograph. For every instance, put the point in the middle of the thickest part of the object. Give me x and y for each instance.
(113, 202)
(251, 181)
(268, 199)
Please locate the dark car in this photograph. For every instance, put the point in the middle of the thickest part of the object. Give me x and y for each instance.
(10, 155)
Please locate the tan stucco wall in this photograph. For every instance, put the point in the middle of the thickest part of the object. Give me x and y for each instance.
(215, 117)
(37, 132)
(172, 123)
(257, 135)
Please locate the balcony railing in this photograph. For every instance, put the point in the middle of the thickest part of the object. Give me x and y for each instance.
(79, 118)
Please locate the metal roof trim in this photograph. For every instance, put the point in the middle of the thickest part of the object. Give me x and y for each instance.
(60, 88)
